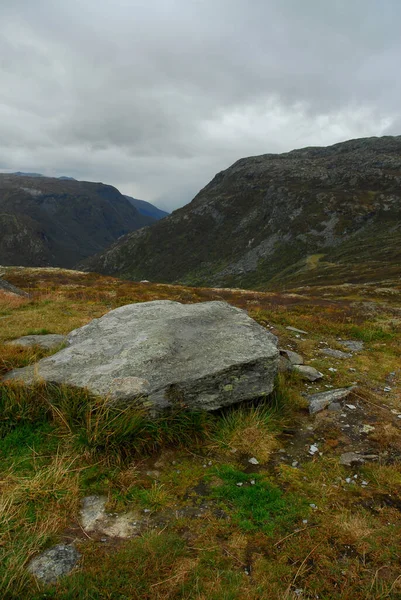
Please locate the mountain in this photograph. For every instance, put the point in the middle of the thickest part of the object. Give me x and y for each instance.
(59, 222)
(22, 174)
(147, 209)
(308, 216)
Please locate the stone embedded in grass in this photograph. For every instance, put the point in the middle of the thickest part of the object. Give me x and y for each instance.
(354, 346)
(308, 373)
(164, 355)
(293, 357)
(335, 353)
(295, 330)
(54, 563)
(48, 342)
(349, 459)
(95, 518)
(320, 401)
(253, 461)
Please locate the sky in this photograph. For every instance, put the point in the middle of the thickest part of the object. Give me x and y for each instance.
(157, 96)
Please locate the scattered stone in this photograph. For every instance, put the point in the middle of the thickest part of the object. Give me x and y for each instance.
(354, 346)
(387, 389)
(348, 459)
(313, 506)
(48, 342)
(313, 449)
(308, 373)
(54, 563)
(351, 406)
(253, 461)
(332, 369)
(367, 428)
(295, 330)
(320, 401)
(295, 463)
(240, 484)
(335, 353)
(364, 483)
(165, 354)
(252, 482)
(352, 369)
(293, 357)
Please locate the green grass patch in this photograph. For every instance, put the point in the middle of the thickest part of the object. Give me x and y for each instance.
(258, 507)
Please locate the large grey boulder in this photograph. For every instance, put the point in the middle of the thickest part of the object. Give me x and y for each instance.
(166, 354)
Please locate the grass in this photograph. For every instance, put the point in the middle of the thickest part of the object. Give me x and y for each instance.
(210, 538)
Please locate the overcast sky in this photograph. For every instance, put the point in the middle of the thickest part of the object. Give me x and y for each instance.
(156, 96)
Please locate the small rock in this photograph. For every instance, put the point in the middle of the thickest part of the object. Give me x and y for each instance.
(293, 357)
(352, 369)
(367, 428)
(240, 484)
(295, 463)
(313, 449)
(308, 373)
(252, 482)
(253, 461)
(350, 458)
(54, 563)
(48, 342)
(320, 401)
(333, 370)
(364, 483)
(351, 406)
(297, 330)
(313, 506)
(387, 389)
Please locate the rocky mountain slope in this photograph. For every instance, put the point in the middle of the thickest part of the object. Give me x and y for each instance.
(147, 209)
(58, 222)
(307, 216)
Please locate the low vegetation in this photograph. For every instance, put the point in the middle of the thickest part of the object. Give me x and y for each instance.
(286, 525)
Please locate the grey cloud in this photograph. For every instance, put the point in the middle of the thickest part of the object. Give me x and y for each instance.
(155, 97)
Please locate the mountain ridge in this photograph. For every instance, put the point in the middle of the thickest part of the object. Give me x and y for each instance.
(57, 222)
(277, 220)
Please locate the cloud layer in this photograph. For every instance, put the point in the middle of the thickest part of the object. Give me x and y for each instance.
(156, 96)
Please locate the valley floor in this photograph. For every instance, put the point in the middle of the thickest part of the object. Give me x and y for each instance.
(294, 522)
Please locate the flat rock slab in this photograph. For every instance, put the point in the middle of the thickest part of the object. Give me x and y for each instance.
(335, 353)
(308, 373)
(295, 330)
(54, 563)
(48, 342)
(96, 519)
(353, 345)
(165, 354)
(318, 402)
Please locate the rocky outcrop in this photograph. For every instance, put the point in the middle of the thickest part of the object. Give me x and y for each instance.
(308, 216)
(8, 288)
(54, 563)
(164, 355)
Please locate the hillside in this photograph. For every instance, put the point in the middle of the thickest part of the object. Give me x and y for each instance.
(48, 221)
(304, 217)
(147, 209)
(261, 501)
